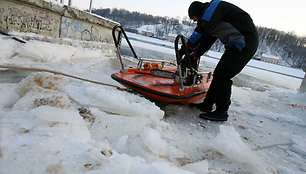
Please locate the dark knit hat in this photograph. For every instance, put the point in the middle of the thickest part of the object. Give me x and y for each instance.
(196, 9)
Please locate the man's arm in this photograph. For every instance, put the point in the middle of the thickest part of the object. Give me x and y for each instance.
(205, 44)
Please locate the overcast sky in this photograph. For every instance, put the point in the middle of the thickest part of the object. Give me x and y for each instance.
(284, 15)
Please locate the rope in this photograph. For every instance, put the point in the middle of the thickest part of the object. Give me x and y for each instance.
(63, 74)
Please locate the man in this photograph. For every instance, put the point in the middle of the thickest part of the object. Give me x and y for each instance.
(235, 29)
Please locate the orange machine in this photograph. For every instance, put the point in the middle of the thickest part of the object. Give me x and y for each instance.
(154, 81)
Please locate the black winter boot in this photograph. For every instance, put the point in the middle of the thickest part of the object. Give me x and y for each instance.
(217, 115)
(202, 107)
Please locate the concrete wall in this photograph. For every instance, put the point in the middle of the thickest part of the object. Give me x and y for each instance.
(45, 18)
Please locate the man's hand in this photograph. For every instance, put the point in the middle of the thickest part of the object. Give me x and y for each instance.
(182, 51)
(194, 59)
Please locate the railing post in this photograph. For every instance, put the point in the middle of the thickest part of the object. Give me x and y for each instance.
(90, 5)
(303, 84)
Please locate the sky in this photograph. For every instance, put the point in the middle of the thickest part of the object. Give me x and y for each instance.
(278, 14)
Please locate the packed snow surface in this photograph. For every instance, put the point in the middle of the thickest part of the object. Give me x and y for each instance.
(55, 124)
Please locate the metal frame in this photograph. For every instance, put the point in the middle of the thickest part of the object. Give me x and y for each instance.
(117, 41)
(181, 75)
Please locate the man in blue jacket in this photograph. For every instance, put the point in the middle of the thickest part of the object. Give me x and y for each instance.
(236, 30)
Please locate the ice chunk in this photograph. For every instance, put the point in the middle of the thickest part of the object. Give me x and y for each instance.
(8, 96)
(289, 96)
(54, 114)
(122, 143)
(104, 147)
(153, 141)
(133, 165)
(229, 143)
(44, 51)
(41, 79)
(114, 127)
(299, 145)
(8, 49)
(39, 96)
(56, 168)
(200, 167)
(114, 101)
(61, 122)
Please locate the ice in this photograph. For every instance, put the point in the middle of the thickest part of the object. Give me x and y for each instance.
(40, 96)
(43, 80)
(290, 97)
(64, 115)
(8, 95)
(34, 50)
(41, 89)
(229, 143)
(7, 50)
(152, 140)
(299, 144)
(114, 101)
(126, 164)
(200, 167)
(139, 136)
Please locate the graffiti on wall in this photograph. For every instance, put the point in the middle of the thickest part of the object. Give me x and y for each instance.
(26, 20)
(24, 17)
(75, 29)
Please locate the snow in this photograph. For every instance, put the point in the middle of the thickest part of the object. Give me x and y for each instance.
(54, 124)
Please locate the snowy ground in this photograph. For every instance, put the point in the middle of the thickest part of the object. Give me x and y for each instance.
(54, 124)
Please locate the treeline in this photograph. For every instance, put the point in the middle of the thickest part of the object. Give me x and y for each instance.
(136, 19)
(290, 47)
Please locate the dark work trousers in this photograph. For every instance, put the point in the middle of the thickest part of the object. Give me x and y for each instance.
(231, 63)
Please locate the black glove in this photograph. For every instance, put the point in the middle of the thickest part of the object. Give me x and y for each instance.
(181, 53)
(189, 47)
(194, 59)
